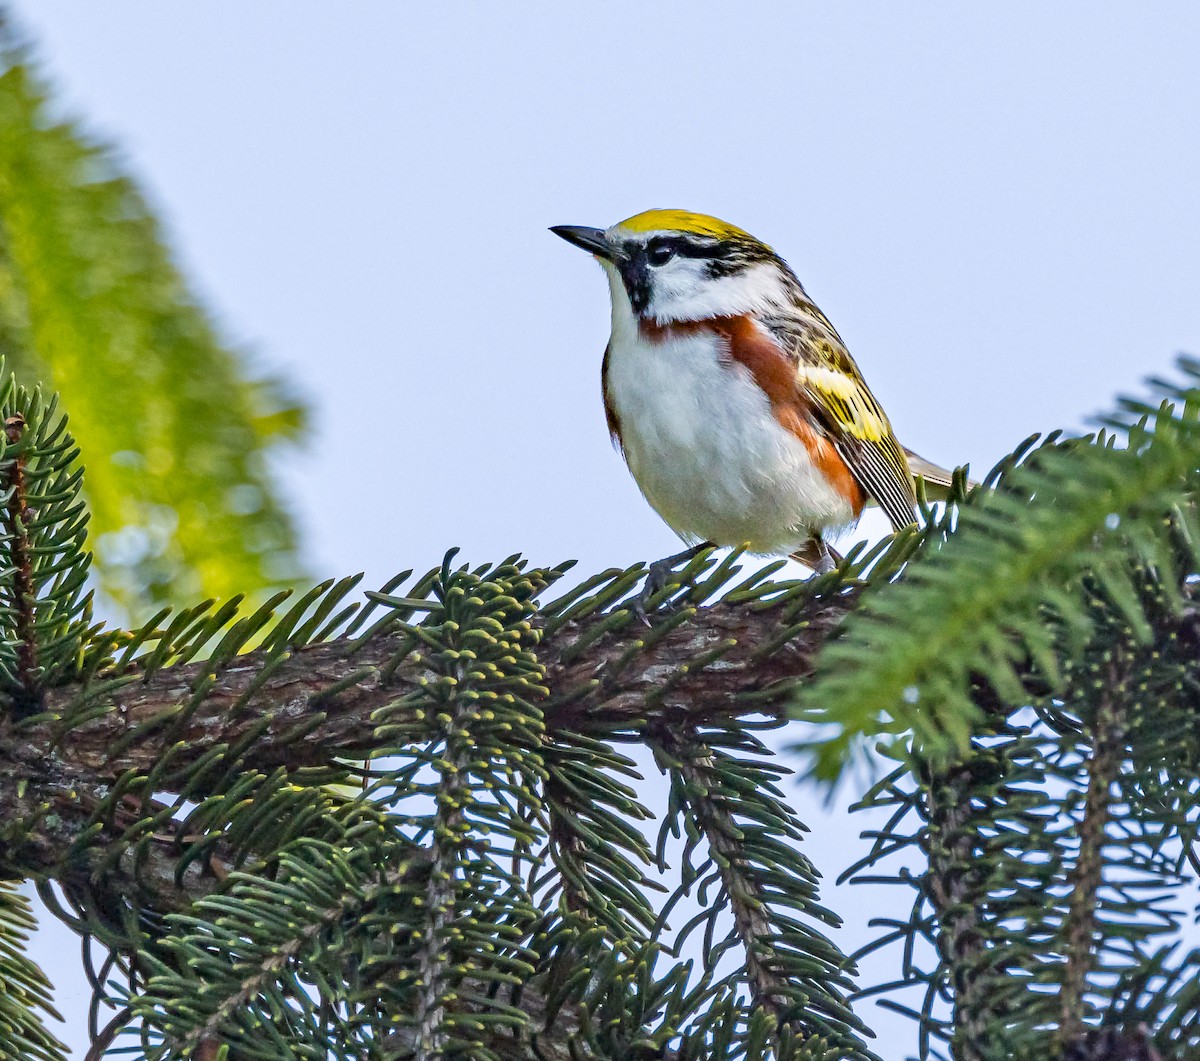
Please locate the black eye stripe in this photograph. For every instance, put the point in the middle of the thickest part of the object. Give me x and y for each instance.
(701, 250)
(721, 257)
(682, 246)
(686, 248)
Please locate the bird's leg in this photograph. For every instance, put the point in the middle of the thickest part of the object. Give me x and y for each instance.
(825, 560)
(658, 574)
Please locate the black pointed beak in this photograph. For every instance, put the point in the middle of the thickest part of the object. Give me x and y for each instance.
(589, 239)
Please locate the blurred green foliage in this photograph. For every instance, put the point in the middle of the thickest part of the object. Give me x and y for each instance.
(178, 430)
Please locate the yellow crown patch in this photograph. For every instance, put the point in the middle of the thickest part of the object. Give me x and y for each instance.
(684, 221)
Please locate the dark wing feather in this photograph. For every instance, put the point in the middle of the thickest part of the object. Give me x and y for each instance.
(873, 463)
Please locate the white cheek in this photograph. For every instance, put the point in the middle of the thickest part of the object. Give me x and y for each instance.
(678, 281)
(692, 295)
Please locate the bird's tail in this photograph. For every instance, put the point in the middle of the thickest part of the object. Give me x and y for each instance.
(937, 479)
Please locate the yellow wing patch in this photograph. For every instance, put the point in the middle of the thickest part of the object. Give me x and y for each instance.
(684, 221)
(846, 400)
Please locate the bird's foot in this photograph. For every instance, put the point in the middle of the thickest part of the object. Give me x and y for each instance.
(658, 576)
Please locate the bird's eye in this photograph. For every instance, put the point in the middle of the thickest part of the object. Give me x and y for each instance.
(659, 252)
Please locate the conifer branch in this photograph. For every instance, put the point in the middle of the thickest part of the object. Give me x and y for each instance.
(22, 592)
(52, 772)
(103, 1038)
(952, 880)
(450, 831)
(1107, 747)
(695, 764)
(46, 806)
(285, 951)
(567, 847)
(297, 723)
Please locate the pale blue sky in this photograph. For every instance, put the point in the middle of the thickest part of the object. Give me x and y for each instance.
(995, 204)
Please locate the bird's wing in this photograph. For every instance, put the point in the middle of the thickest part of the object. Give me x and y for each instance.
(857, 426)
(807, 373)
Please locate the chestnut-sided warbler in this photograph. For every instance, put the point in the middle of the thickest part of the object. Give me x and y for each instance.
(735, 403)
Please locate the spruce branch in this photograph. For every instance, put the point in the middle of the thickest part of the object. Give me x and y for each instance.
(25, 993)
(165, 757)
(256, 977)
(1107, 738)
(54, 771)
(476, 688)
(292, 718)
(702, 785)
(451, 831)
(724, 787)
(1024, 882)
(21, 593)
(953, 881)
(103, 1038)
(566, 840)
(594, 840)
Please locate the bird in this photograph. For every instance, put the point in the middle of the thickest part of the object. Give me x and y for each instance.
(735, 403)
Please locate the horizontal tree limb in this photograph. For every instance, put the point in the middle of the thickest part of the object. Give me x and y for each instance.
(719, 663)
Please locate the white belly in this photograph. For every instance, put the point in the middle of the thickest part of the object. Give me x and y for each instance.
(707, 452)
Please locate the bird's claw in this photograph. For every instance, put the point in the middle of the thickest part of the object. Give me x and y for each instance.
(657, 577)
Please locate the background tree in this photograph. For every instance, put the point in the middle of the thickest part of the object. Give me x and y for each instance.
(180, 433)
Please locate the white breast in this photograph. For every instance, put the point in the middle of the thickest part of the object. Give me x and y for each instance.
(704, 447)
